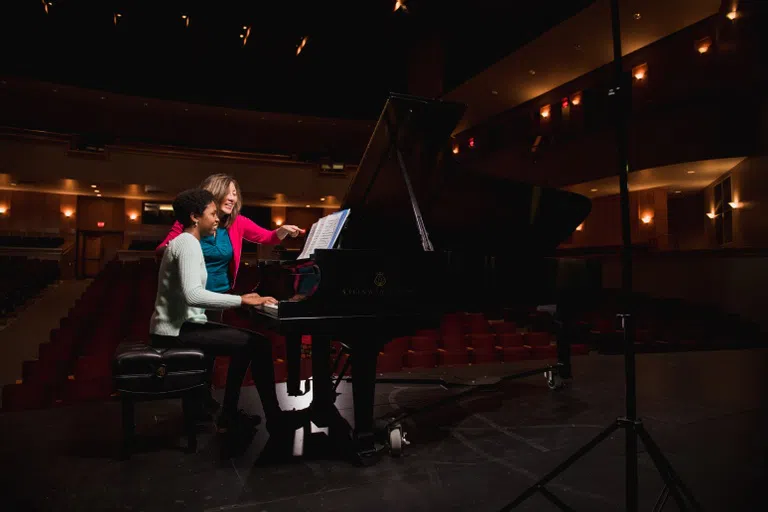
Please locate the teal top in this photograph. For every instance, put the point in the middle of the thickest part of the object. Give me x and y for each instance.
(218, 254)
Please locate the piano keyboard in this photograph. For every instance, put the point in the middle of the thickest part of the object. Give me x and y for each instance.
(270, 306)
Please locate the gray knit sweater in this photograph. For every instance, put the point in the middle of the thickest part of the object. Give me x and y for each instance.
(181, 294)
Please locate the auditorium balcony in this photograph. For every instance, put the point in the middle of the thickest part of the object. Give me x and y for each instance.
(696, 95)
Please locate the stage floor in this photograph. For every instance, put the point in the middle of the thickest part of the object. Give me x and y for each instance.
(707, 410)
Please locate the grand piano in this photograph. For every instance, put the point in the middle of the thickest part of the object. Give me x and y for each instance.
(424, 236)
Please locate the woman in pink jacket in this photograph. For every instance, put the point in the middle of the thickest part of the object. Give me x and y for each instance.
(222, 251)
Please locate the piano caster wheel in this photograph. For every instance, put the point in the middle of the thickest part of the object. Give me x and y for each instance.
(397, 441)
(554, 381)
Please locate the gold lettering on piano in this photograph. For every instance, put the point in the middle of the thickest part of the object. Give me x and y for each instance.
(363, 292)
(380, 279)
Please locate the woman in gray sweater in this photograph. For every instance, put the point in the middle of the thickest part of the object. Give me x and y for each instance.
(179, 317)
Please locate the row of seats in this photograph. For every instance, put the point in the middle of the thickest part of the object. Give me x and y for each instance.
(23, 278)
(34, 242)
(143, 245)
(75, 364)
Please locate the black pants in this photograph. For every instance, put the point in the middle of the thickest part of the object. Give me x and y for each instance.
(216, 316)
(243, 347)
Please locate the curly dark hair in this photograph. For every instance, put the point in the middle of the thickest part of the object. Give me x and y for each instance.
(189, 202)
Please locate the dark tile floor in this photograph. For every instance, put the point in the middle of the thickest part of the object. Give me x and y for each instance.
(707, 410)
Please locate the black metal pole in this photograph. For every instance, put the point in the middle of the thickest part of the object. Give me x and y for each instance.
(623, 94)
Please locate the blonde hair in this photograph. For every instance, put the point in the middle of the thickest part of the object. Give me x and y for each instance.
(218, 185)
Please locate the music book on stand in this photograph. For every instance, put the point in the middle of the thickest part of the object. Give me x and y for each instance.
(324, 233)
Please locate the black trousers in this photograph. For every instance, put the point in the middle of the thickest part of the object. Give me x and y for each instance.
(244, 347)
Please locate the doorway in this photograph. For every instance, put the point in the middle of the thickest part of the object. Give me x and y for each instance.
(95, 249)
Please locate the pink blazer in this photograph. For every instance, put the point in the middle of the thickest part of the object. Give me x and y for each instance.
(242, 229)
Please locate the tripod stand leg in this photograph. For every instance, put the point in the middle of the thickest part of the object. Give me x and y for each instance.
(562, 467)
(631, 470)
(671, 478)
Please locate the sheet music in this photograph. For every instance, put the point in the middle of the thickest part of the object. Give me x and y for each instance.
(324, 233)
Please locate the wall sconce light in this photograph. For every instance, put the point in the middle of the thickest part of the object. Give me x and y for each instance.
(711, 215)
(68, 213)
(544, 111)
(133, 216)
(278, 222)
(732, 15)
(100, 224)
(647, 218)
(702, 45)
(640, 72)
(576, 99)
(735, 204)
(3, 210)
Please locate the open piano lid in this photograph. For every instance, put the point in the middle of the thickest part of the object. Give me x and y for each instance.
(462, 210)
(381, 211)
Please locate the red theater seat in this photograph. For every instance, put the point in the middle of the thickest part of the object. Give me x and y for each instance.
(537, 339)
(423, 344)
(482, 342)
(452, 357)
(511, 340)
(420, 359)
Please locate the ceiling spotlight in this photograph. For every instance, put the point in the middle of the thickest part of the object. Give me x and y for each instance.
(246, 34)
(306, 205)
(400, 6)
(732, 15)
(98, 195)
(322, 199)
(186, 19)
(691, 172)
(94, 186)
(301, 45)
(116, 17)
(637, 16)
(96, 191)
(593, 190)
(678, 191)
(531, 72)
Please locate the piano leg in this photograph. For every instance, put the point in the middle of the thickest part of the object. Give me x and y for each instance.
(293, 364)
(363, 391)
(323, 395)
(564, 334)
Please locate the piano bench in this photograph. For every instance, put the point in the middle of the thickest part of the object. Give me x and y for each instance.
(142, 373)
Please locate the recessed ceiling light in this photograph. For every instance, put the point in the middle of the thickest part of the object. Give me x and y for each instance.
(103, 97)
(691, 172)
(97, 191)
(637, 16)
(98, 195)
(307, 206)
(322, 199)
(93, 186)
(678, 191)
(532, 72)
(593, 190)
(495, 92)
